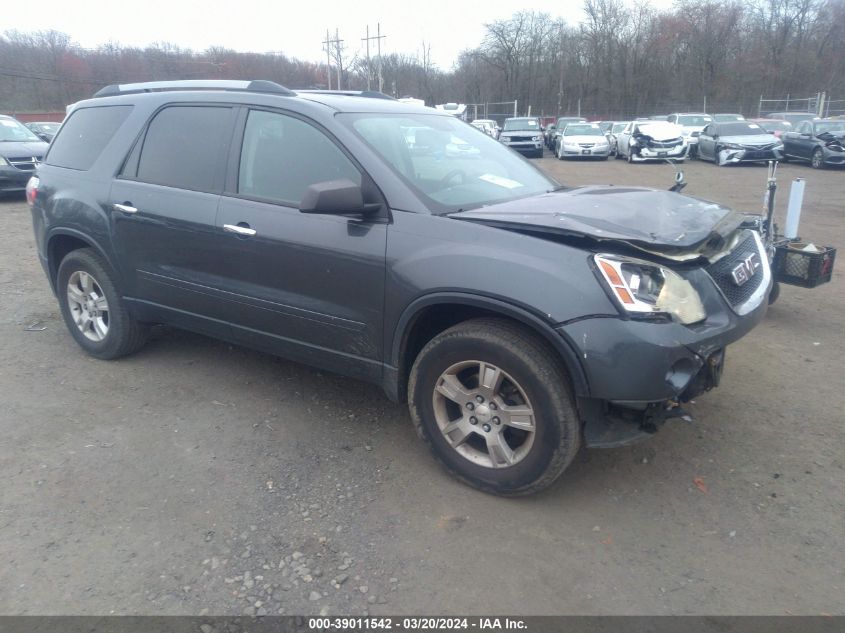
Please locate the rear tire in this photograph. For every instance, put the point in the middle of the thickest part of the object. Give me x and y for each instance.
(506, 399)
(93, 309)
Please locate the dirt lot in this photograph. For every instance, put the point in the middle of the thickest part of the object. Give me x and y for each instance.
(197, 477)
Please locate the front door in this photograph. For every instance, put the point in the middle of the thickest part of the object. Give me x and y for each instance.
(309, 287)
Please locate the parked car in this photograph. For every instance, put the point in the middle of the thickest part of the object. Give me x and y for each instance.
(651, 140)
(519, 319)
(524, 134)
(691, 123)
(45, 130)
(616, 129)
(727, 118)
(583, 140)
(793, 117)
(738, 142)
(774, 126)
(821, 142)
(20, 153)
(561, 123)
(488, 126)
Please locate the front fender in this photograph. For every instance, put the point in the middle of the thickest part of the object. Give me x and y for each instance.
(558, 340)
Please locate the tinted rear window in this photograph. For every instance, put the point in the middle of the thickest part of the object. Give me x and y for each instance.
(84, 136)
(184, 146)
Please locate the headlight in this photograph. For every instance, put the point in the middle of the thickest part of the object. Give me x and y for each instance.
(536, 138)
(730, 146)
(4, 162)
(642, 288)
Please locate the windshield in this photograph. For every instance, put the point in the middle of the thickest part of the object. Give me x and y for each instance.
(739, 129)
(618, 127)
(521, 124)
(694, 120)
(830, 126)
(48, 127)
(11, 130)
(450, 164)
(562, 122)
(577, 129)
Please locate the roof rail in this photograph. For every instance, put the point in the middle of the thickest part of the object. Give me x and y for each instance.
(370, 94)
(259, 85)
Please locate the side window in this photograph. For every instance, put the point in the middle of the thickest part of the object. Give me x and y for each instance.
(282, 156)
(85, 135)
(183, 147)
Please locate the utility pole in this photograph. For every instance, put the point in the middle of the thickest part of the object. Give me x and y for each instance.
(327, 43)
(378, 41)
(378, 37)
(367, 40)
(337, 42)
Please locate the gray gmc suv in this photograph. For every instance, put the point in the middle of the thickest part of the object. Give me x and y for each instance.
(521, 320)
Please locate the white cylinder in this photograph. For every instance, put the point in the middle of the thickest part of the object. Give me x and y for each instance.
(793, 212)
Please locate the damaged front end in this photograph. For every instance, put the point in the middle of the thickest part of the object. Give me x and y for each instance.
(645, 147)
(685, 278)
(834, 147)
(735, 153)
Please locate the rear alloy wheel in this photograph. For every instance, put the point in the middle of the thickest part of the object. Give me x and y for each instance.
(817, 161)
(492, 403)
(92, 308)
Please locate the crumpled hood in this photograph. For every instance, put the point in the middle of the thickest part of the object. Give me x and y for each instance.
(23, 148)
(652, 220)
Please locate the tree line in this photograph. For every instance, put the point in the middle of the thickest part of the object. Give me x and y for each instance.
(621, 60)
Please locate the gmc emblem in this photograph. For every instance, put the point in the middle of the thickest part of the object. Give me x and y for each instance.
(745, 270)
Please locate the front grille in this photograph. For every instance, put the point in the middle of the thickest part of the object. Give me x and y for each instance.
(586, 145)
(520, 139)
(721, 272)
(25, 163)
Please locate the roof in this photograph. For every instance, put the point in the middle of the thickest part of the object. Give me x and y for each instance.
(260, 92)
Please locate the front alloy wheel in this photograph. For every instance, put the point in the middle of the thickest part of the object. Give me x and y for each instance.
(493, 403)
(484, 414)
(817, 161)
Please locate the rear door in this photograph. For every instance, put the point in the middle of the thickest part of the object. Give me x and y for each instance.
(164, 205)
(309, 287)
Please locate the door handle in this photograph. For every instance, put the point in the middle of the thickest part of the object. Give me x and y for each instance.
(240, 230)
(126, 208)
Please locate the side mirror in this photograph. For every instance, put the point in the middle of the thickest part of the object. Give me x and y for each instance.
(335, 197)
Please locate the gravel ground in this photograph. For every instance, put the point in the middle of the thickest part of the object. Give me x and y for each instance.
(200, 478)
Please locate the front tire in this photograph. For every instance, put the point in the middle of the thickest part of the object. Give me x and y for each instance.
(817, 160)
(493, 405)
(93, 309)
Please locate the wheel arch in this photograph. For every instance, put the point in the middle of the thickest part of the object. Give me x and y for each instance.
(431, 314)
(62, 241)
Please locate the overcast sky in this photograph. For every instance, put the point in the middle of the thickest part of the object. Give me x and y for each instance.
(295, 28)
